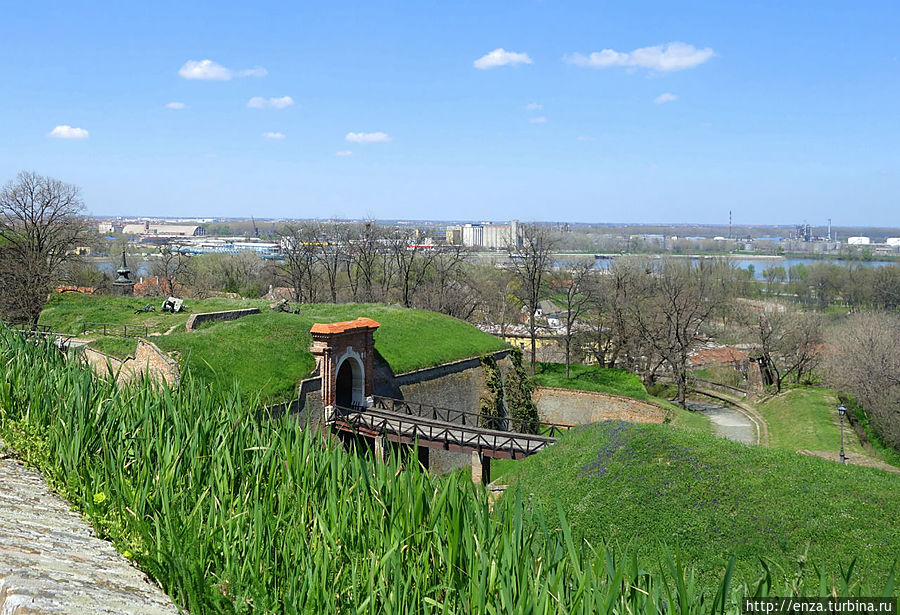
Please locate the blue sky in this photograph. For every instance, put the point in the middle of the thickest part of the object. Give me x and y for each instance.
(779, 111)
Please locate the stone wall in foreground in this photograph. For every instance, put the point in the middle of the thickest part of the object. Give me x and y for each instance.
(52, 562)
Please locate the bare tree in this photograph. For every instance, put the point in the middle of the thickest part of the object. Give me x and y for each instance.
(572, 281)
(530, 263)
(447, 273)
(300, 246)
(788, 342)
(363, 262)
(40, 223)
(171, 268)
(677, 300)
(865, 363)
(331, 254)
(413, 264)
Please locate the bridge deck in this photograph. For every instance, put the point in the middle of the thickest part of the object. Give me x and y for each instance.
(433, 433)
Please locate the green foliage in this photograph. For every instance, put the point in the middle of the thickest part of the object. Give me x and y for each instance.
(490, 403)
(519, 387)
(859, 415)
(707, 497)
(236, 513)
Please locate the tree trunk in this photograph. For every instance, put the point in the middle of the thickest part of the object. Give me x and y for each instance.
(567, 357)
(533, 351)
(682, 388)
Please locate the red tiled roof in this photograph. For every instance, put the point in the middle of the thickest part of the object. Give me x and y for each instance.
(344, 327)
(724, 354)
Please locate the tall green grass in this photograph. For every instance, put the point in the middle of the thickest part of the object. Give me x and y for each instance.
(233, 512)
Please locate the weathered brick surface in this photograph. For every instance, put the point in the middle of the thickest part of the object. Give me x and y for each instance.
(198, 319)
(51, 561)
(581, 407)
(148, 360)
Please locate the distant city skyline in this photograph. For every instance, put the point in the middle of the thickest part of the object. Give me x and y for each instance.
(656, 113)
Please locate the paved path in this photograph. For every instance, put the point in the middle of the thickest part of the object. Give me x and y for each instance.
(51, 561)
(727, 422)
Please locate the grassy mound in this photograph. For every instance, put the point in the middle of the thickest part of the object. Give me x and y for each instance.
(68, 312)
(268, 353)
(709, 497)
(806, 418)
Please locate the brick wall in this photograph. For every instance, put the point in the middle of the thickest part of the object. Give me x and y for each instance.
(581, 407)
(148, 360)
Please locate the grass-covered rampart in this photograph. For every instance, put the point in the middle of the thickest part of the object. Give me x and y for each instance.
(268, 353)
(233, 512)
(650, 485)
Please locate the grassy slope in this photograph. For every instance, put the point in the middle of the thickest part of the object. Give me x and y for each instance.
(65, 313)
(806, 418)
(121, 347)
(710, 497)
(269, 353)
(602, 380)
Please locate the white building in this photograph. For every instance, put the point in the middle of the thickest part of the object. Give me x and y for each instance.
(858, 241)
(894, 242)
(486, 235)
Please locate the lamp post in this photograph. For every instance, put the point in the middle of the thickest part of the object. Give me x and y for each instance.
(842, 411)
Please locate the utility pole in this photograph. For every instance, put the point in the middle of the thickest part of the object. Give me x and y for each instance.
(729, 224)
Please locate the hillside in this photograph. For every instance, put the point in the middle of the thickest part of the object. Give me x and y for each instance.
(268, 353)
(709, 497)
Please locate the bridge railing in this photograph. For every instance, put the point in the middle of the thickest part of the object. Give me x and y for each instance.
(473, 419)
(380, 422)
(117, 329)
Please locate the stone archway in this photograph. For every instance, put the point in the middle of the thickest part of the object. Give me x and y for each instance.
(349, 383)
(345, 353)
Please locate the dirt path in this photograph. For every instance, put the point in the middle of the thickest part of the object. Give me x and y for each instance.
(853, 459)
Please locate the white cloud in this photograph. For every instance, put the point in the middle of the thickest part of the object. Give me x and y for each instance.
(207, 70)
(669, 57)
(501, 57)
(664, 98)
(534, 106)
(344, 153)
(586, 138)
(274, 135)
(258, 102)
(176, 105)
(538, 120)
(367, 137)
(68, 132)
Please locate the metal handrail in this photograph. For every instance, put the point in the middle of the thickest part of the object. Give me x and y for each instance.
(438, 431)
(107, 326)
(463, 417)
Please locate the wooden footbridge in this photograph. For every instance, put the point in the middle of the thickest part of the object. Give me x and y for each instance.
(432, 427)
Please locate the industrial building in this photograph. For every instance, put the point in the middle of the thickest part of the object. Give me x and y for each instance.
(486, 235)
